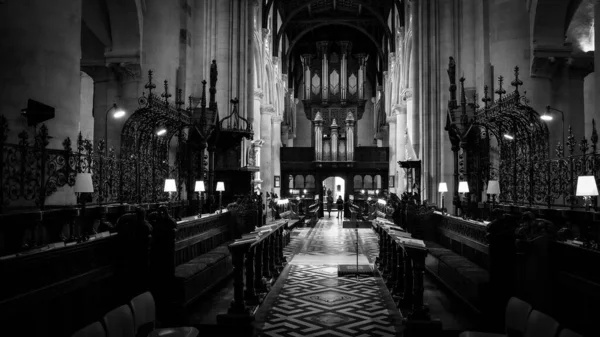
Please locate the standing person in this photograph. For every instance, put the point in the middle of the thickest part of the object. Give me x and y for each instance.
(329, 204)
(340, 206)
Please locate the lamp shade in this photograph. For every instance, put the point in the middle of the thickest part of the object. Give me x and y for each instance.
(443, 187)
(493, 187)
(170, 185)
(220, 186)
(586, 186)
(83, 183)
(199, 186)
(463, 187)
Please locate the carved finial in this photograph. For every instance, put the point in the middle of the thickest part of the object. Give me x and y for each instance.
(150, 86)
(334, 123)
(203, 101)
(23, 139)
(584, 146)
(350, 116)
(517, 82)
(486, 98)
(42, 139)
(318, 117)
(213, 85)
(571, 141)
(500, 91)
(166, 94)
(475, 102)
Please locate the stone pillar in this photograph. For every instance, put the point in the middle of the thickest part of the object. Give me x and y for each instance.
(415, 136)
(350, 137)
(41, 41)
(393, 152)
(334, 140)
(276, 150)
(401, 132)
(266, 169)
(318, 121)
(597, 63)
(285, 134)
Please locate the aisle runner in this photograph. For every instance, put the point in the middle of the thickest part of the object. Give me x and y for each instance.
(314, 301)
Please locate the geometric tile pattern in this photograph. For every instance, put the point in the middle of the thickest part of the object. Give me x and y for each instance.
(314, 301)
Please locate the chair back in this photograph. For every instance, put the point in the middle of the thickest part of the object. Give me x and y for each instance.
(93, 330)
(541, 325)
(568, 333)
(144, 313)
(517, 314)
(119, 322)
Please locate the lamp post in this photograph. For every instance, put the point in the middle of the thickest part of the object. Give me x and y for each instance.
(493, 189)
(220, 189)
(200, 188)
(442, 188)
(586, 188)
(117, 114)
(548, 117)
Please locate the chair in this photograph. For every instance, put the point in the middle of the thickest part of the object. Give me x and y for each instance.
(93, 330)
(119, 322)
(568, 333)
(516, 319)
(144, 314)
(541, 325)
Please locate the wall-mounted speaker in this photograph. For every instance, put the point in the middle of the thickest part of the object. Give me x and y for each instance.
(37, 112)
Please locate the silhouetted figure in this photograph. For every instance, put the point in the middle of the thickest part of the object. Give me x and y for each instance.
(340, 206)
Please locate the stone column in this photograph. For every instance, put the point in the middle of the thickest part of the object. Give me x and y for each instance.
(362, 63)
(393, 151)
(334, 140)
(318, 121)
(276, 149)
(350, 137)
(41, 41)
(415, 136)
(597, 62)
(345, 47)
(266, 170)
(285, 134)
(401, 145)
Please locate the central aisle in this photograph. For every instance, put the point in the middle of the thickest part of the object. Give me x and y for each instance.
(313, 301)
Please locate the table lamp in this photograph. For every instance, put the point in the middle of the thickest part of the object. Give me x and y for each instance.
(200, 188)
(220, 189)
(494, 190)
(83, 184)
(586, 188)
(442, 188)
(463, 187)
(170, 187)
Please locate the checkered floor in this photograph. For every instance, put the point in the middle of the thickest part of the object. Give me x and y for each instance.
(314, 301)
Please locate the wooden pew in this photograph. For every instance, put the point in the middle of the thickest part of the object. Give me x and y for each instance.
(189, 260)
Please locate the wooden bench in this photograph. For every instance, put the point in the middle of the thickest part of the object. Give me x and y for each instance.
(191, 259)
(473, 259)
(313, 213)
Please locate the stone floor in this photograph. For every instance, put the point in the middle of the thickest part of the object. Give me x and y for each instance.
(309, 299)
(315, 301)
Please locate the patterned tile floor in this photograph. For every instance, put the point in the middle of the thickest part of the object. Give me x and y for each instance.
(314, 301)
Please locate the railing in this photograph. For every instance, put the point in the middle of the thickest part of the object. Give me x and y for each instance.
(371, 154)
(257, 261)
(297, 154)
(402, 263)
(31, 172)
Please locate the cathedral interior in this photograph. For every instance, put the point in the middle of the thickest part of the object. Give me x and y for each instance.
(299, 168)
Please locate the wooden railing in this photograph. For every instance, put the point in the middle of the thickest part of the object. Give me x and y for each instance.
(257, 261)
(402, 263)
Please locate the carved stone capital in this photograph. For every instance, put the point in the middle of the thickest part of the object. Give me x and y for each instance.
(546, 60)
(399, 109)
(276, 119)
(267, 109)
(127, 71)
(258, 94)
(406, 94)
(391, 119)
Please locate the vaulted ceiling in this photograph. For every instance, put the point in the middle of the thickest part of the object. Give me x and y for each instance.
(304, 22)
